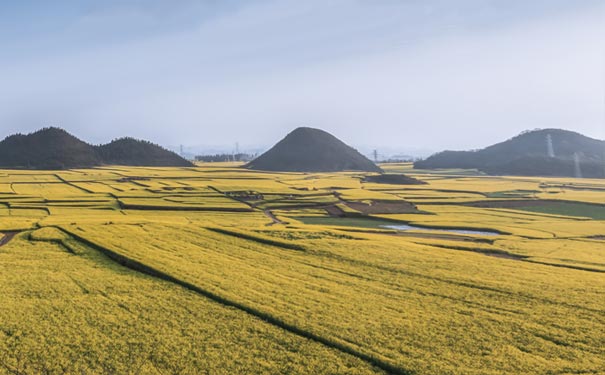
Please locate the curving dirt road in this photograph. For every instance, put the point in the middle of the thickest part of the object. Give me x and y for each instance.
(8, 236)
(271, 216)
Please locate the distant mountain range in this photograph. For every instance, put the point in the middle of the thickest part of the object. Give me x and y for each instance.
(544, 152)
(54, 148)
(312, 150)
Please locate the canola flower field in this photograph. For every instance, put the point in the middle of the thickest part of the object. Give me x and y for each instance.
(221, 270)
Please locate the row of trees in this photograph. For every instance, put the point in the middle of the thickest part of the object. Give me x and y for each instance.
(225, 157)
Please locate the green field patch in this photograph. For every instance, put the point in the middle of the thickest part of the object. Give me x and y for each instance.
(306, 235)
(374, 223)
(360, 222)
(512, 194)
(569, 209)
(259, 238)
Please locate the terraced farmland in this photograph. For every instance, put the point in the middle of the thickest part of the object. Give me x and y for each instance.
(217, 269)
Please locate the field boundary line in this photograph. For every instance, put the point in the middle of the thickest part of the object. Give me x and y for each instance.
(520, 258)
(264, 241)
(69, 183)
(152, 271)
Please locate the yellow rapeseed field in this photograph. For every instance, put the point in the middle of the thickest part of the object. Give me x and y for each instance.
(221, 270)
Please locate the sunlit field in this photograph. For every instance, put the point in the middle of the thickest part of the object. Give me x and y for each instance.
(220, 270)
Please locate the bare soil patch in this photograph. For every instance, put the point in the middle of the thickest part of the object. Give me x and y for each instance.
(333, 210)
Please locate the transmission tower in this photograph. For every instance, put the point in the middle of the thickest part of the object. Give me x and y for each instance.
(578, 170)
(236, 157)
(375, 156)
(549, 147)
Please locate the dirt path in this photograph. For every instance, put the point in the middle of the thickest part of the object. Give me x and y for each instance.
(8, 236)
(273, 218)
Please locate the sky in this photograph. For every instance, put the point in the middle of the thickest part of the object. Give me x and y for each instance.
(400, 76)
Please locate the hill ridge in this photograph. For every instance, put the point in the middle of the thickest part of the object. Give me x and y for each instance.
(54, 148)
(307, 149)
(538, 152)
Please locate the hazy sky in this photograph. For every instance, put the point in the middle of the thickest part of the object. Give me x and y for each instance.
(390, 74)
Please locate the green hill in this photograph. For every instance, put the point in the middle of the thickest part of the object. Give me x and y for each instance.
(130, 151)
(47, 148)
(545, 152)
(312, 150)
(54, 148)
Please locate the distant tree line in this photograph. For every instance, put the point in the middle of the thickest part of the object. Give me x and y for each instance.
(225, 157)
(396, 159)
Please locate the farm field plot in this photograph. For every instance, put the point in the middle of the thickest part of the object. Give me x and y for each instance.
(56, 189)
(219, 269)
(143, 324)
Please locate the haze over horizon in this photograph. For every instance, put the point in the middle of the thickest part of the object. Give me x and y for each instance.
(394, 74)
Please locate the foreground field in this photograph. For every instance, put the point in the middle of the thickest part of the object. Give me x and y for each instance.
(217, 269)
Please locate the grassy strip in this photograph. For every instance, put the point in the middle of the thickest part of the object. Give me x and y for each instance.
(183, 208)
(492, 252)
(593, 211)
(579, 268)
(379, 222)
(263, 240)
(133, 264)
(523, 258)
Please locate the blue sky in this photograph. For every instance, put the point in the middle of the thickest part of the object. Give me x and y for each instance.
(401, 75)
